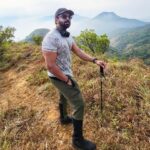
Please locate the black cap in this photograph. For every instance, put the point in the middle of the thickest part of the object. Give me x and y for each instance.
(63, 10)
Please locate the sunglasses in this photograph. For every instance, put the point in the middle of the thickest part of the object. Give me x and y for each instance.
(65, 16)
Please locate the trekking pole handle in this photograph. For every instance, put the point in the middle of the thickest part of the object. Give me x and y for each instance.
(102, 71)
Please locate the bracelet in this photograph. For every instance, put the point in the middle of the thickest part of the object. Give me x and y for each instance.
(94, 59)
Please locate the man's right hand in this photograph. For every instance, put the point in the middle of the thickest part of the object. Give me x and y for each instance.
(69, 82)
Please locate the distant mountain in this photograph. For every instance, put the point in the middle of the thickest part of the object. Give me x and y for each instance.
(111, 16)
(133, 43)
(41, 32)
(107, 16)
(108, 22)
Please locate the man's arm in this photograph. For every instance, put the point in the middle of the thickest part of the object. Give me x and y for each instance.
(86, 57)
(81, 54)
(50, 61)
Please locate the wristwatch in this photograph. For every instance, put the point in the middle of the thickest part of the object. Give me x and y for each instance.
(94, 59)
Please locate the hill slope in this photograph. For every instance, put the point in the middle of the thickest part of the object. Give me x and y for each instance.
(133, 43)
(28, 102)
(40, 32)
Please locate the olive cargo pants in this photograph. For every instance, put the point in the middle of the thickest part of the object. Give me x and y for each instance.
(72, 95)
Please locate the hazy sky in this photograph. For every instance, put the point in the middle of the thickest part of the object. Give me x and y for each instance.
(22, 13)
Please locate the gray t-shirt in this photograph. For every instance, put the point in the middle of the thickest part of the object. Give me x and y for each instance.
(54, 42)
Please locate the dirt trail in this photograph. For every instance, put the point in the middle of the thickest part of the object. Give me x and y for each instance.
(15, 92)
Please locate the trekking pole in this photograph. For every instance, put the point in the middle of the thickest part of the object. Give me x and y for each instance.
(101, 99)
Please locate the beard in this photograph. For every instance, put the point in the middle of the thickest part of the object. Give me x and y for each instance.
(65, 24)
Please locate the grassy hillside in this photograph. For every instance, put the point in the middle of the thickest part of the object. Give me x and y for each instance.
(29, 103)
(37, 32)
(133, 43)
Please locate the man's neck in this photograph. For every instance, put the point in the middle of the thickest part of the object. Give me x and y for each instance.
(60, 28)
(63, 32)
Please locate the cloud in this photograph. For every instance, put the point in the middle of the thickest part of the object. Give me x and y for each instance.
(85, 7)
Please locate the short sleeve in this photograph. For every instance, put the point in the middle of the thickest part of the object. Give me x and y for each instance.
(50, 44)
(71, 41)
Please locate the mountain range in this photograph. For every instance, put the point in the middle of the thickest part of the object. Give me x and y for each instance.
(105, 22)
(127, 36)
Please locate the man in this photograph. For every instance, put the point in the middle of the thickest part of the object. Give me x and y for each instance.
(57, 46)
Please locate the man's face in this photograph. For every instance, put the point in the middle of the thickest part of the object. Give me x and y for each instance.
(64, 20)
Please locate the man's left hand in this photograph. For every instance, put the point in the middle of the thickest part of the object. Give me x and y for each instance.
(101, 63)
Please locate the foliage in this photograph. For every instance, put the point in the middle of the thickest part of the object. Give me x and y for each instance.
(6, 35)
(37, 39)
(90, 41)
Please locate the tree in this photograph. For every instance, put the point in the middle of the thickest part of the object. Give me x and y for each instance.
(89, 40)
(102, 43)
(37, 39)
(6, 36)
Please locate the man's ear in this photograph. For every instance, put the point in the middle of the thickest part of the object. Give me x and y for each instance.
(56, 20)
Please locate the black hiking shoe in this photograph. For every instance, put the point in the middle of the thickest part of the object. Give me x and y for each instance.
(78, 140)
(83, 144)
